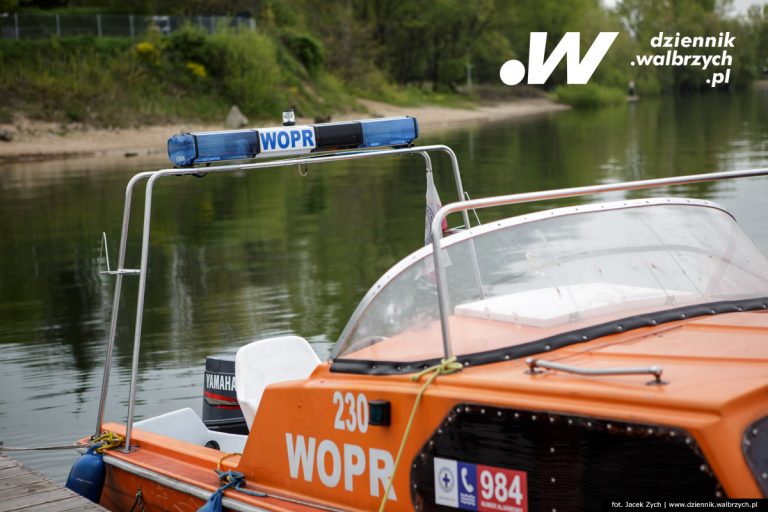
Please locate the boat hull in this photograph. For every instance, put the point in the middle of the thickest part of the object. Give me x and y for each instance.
(300, 455)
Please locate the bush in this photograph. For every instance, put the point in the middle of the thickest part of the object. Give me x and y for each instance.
(246, 66)
(190, 43)
(305, 48)
(589, 95)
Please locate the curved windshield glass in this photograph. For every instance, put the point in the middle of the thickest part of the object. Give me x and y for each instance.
(531, 277)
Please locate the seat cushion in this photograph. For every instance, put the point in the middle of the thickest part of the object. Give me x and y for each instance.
(269, 361)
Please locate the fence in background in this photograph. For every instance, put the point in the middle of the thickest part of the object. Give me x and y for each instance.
(37, 26)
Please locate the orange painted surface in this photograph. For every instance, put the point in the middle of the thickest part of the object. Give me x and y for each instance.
(181, 461)
(470, 335)
(717, 369)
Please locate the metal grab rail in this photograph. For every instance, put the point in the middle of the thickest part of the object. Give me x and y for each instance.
(656, 371)
(116, 300)
(527, 197)
(152, 177)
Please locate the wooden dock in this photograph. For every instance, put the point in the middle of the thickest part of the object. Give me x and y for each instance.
(22, 489)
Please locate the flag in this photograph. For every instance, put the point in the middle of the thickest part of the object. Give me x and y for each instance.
(433, 205)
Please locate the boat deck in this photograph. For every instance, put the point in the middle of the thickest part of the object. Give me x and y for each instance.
(25, 490)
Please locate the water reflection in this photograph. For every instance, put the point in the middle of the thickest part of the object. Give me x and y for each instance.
(235, 257)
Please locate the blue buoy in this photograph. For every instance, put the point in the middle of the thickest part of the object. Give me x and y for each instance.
(86, 477)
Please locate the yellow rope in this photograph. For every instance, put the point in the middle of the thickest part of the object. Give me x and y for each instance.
(108, 441)
(446, 367)
(224, 457)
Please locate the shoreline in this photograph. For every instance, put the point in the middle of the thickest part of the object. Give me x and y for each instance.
(42, 141)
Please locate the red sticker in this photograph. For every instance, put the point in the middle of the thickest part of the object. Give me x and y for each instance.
(500, 489)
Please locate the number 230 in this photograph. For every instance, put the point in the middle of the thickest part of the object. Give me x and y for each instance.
(356, 415)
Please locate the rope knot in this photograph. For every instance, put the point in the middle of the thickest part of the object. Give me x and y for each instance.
(231, 479)
(444, 367)
(107, 441)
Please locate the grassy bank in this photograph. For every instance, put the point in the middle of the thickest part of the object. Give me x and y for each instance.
(320, 56)
(188, 75)
(195, 77)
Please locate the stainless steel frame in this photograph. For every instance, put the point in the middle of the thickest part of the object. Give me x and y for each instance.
(141, 272)
(526, 197)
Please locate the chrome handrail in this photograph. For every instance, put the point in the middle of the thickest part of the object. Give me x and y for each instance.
(152, 177)
(116, 300)
(656, 371)
(527, 197)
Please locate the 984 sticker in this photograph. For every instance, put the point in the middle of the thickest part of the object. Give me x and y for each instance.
(468, 486)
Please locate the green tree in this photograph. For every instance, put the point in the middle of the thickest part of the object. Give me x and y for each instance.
(757, 30)
(427, 41)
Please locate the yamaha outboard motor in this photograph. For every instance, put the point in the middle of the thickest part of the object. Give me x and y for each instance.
(221, 411)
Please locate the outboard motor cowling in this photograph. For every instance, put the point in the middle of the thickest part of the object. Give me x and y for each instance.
(221, 411)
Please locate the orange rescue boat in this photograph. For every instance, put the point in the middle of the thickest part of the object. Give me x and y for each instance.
(551, 361)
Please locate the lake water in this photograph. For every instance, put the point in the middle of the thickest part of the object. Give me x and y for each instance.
(240, 256)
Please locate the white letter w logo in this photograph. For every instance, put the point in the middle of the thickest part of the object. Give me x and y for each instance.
(579, 72)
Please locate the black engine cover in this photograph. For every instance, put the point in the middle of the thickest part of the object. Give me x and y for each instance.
(221, 411)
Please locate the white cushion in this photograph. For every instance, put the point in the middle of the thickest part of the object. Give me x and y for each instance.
(269, 361)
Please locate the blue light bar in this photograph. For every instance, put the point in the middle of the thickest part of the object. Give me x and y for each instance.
(186, 149)
(390, 131)
(212, 146)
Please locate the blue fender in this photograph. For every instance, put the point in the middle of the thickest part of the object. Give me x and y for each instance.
(86, 477)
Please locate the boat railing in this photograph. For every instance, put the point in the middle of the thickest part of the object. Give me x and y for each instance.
(527, 197)
(141, 272)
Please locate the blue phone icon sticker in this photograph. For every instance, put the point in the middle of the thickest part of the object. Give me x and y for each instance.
(467, 486)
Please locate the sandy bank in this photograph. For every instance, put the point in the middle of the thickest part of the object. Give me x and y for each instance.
(46, 141)
(432, 118)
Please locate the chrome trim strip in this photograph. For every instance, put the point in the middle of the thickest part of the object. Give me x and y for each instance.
(483, 229)
(573, 210)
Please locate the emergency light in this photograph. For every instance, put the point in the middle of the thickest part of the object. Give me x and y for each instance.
(186, 149)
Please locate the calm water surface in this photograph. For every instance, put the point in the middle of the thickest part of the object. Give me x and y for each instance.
(237, 257)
